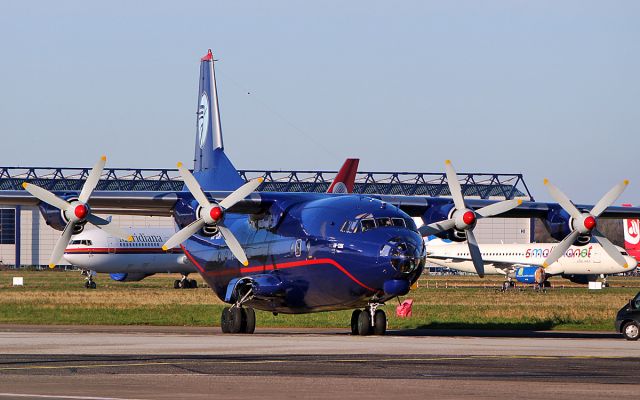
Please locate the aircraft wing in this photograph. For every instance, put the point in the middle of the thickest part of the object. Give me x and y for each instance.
(162, 203)
(134, 203)
(416, 206)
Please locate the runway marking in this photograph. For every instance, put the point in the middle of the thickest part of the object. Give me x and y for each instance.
(51, 396)
(343, 360)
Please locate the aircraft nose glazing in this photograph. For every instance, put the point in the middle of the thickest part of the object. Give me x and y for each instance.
(401, 254)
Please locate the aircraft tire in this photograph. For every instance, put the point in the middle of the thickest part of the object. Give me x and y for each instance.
(631, 330)
(176, 284)
(193, 284)
(93, 285)
(364, 323)
(354, 321)
(224, 320)
(379, 323)
(235, 320)
(86, 284)
(248, 320)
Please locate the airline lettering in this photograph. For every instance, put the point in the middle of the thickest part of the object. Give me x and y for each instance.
(632, 233)
(571, 253)
(142, 238)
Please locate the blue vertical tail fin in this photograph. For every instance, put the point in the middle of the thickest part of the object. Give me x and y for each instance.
(211, 167)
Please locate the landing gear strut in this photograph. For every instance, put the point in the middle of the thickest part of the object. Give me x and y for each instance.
(239, 319)
(185, 283)
(89, 283)
(369, 321)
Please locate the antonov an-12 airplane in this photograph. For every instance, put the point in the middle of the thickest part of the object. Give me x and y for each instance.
(96, 251)
(301, 252)
(525, 262)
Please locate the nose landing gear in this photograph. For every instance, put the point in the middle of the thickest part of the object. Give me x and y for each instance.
(89, 283)
(369, 321)
(185, 283)
(239, 319)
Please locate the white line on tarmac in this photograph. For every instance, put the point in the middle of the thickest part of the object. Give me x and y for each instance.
(52, 396)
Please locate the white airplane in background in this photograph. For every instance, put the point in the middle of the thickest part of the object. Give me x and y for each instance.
(525, 262)
(95, 250)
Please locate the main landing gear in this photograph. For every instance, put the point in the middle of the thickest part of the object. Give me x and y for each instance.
(185, 283)
(239, 319)
(369, 321)
(89, 283)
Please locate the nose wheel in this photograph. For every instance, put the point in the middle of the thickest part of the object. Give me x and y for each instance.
(369, 321)
(238, 320)
(185, 283)
(89, 283)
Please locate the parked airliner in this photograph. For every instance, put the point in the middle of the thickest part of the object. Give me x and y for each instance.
(525, 262)
(94, 250)
(302, 252)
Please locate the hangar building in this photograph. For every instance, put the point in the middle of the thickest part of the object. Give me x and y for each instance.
(26, 239)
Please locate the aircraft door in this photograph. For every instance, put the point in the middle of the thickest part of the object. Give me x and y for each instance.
(596, 255)
(111, 246)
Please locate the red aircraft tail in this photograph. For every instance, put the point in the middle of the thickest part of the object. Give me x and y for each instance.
(346, 178)
(632, 236)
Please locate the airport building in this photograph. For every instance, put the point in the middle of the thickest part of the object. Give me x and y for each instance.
(26, 239)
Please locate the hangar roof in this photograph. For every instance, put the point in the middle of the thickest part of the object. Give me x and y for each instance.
(479, 185)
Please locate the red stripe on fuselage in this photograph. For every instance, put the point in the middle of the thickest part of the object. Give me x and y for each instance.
(293, 264)
(118, 250)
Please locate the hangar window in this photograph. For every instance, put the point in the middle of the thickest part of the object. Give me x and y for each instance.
(7, 226)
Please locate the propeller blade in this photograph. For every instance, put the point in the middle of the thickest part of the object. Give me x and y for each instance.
(61, 245)
(240, 193)
(233, 244)
(609, 198)
(454, 185)
(183, 234)
(476, 256)
(437, 227)
(46, 196)
(193, 186)
(560, 248)
(611, 250)
(498, 208)
(563, 200)
(109, 228)
(92, 180)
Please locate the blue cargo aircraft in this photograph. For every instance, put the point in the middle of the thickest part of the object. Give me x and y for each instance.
(299, 252)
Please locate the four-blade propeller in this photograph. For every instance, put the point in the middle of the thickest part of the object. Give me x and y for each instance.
(76, 212)
(212, 214)
(465, 219)
(584, 223)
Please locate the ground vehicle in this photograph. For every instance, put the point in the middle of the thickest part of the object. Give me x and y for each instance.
(628, 319)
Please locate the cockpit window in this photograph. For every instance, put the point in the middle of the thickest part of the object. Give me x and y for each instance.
(624, 253)
(81, 242)
(350, 227)
(382, 222)
(368, 224)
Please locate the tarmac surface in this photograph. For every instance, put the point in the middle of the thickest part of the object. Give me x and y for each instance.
(98, 362)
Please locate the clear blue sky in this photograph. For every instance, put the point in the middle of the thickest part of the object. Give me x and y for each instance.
(545, 88)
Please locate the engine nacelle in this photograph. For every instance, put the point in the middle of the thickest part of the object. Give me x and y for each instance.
(558, 223)
(56, 218)
(439, 213)
(126, 277)
(530, 275)
(581, 279)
